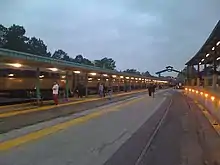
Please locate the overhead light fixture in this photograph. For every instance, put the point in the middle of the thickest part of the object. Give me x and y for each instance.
(218, 58)
(132, 78)
(63, 76)
(105, 75)
(99, 79)
(16, 65)
(202, 59)
(136, 78)
(89, 79)
(121, 76)
(139, 78)
(218, 43)
(213, 48)
(11, 75)
(93, 74)
(200, 63)
(127, 77)
(106, 79)
(41, 76)
(207, 55)
(114, 76)
(76, 71)
(53, 69)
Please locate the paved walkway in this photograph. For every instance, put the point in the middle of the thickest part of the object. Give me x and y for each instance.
(117, 133)
(48, 104)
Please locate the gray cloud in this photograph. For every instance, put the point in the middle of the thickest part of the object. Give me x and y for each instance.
(147, 35)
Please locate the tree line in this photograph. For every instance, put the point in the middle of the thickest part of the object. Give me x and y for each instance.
(14, 38)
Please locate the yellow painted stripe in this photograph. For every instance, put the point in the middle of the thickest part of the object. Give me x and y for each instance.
(20, 112)
(50, 130)
(13, 113)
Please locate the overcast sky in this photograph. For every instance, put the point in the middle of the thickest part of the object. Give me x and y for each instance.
(141, 34)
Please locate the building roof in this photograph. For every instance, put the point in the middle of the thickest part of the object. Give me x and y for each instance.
(9, 56)
(209, 50)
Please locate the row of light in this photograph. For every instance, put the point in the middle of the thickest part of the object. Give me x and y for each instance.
(213, 48)
(17, 65)
(201, 93)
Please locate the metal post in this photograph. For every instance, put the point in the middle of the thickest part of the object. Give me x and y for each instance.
(205, 76)
(118, 84)
(198, 75)
(86, 85)
(67, 84)
(125, 82)
(214, 78)
(38, 94)
(129, 85)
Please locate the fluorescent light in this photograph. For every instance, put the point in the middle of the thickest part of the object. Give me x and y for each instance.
(53, 69)
(132, 78)
(213, 48)
(114, 76)
(218, 43)
(127, 77)
(203, 59)
(17, 65)
(93, 74)
(90, 79)
(41, 76)
(76, 71)
(207, 55)
(121, 76)
(200, 63)
(218, 58)
(105, 75)
(11, 75)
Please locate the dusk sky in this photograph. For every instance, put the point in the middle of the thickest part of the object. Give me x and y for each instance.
(140, 34)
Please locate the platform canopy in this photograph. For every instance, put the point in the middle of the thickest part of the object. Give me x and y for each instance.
(34, 61)
(210, 50)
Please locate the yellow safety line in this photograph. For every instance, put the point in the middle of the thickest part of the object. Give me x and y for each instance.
(19, 112)
(53, 129)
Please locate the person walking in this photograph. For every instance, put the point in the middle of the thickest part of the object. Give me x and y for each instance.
(55, 90)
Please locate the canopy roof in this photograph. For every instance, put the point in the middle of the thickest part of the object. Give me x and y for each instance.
(9, 56)
(210, 50)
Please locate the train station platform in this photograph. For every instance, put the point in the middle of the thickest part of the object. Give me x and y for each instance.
(18, 116)
(209, 99)
(168, 129)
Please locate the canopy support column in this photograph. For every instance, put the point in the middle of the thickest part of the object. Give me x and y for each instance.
(198, 75)
(67, 85)
(38, 94)
(215, 76)
(86, 85)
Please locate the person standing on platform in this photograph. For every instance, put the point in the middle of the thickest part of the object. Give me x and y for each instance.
(149, 89)
(110, 91)
(55, 90)
(101, 88)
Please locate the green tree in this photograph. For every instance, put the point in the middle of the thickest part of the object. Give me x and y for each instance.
(147, 74)
(107, 63)
(37, 47)
(61, 55)
(15, 38)
(3, 32)
(132, 71)
(79, 59)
